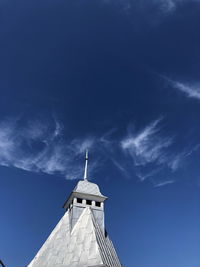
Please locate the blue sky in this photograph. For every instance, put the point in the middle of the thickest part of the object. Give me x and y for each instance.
(122, 79)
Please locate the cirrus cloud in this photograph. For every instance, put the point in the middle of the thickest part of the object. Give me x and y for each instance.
(148, 145)
(40, 147)
(151, 152)
(191, 90)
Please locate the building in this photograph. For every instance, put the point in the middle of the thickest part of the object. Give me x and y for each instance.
(2, 264)
(80, 238)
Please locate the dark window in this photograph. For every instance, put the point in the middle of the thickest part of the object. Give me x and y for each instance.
(88, 202)
(98, 204)
(79, 200)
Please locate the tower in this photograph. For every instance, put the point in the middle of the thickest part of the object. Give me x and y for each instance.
(80, 238)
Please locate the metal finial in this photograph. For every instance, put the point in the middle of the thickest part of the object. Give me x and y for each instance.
(86, 165)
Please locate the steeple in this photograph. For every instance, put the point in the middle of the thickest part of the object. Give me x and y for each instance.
(80, 238)
(86, 194)
(86, 165)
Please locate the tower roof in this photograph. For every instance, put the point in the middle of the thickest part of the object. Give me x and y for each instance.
(87, 187)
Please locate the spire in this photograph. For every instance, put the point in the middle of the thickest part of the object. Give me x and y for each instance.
(86, 165)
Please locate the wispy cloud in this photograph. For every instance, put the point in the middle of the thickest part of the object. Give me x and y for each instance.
(167, 182)
(192, 150)
(191, 90)
(151, 151)
(152, 11)
(40, 147)
(148, 145)
(169, 6)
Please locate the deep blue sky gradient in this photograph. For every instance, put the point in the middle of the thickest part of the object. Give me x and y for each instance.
(106, 71)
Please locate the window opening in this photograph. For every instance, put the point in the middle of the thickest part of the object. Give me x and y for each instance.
(98, 204)
(79, 200)
(88, 202)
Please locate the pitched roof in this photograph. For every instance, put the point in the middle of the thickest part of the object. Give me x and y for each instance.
(87, 187)
(86, 245)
